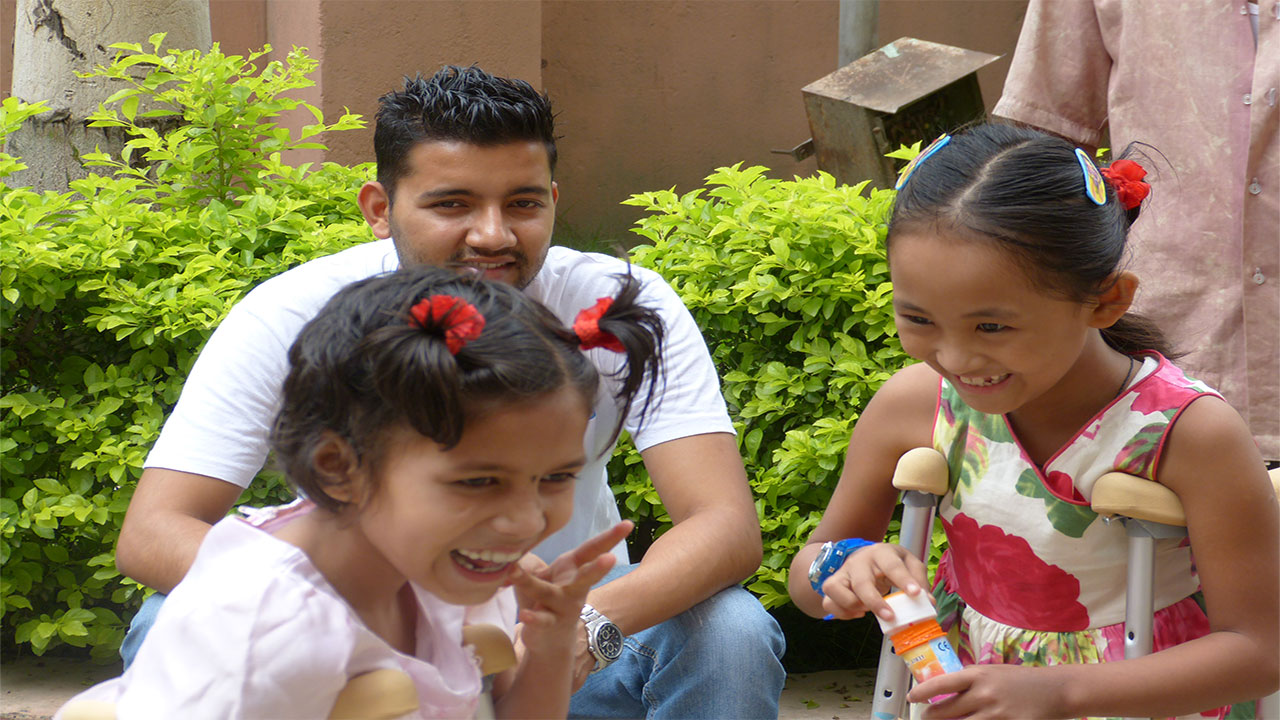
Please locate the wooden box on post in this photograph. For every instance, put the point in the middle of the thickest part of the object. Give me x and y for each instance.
(906, 91)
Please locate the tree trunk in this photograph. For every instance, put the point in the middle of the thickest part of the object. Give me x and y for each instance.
(54, 40)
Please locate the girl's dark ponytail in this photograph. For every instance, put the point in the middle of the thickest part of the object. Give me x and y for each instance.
(639, 331)
(1134, 333)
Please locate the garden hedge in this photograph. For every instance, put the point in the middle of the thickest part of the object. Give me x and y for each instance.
(109, 290)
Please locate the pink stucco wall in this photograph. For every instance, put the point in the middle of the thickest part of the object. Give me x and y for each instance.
(650, 93)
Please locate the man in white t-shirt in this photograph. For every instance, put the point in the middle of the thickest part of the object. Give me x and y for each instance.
(465, 163)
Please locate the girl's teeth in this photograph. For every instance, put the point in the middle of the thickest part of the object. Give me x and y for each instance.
(489, 555)
(485, 560)
(984, 381)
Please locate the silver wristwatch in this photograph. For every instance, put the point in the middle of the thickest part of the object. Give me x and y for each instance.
(604, 639)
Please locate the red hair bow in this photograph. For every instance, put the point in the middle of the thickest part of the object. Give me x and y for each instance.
(1126, 177)
(587, 327)
(459, 319)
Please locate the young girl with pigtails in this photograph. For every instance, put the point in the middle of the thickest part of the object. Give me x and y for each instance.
(1007, 253)
(433, 424)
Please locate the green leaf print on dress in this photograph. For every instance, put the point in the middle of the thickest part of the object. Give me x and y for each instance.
(1067, 518)
(1139, 454)
(965, 442)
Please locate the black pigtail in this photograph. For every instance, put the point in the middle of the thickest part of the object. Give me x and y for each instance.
(640, 331)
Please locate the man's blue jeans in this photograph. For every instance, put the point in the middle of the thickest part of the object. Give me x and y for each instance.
(719, 659)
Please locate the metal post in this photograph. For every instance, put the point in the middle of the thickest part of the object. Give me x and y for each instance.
(857, 27)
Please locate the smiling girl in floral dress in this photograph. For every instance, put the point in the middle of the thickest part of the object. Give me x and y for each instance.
(1006, 250)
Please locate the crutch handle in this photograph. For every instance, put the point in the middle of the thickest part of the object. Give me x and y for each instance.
(922, 469)
(1118, 494)
(89, 710)
(377, 694)
(495, 652)
(1123, 495)
(493, 647)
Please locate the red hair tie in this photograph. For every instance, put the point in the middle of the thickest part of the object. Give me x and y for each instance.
(1126, 177)
(459, 319)
(587, 327)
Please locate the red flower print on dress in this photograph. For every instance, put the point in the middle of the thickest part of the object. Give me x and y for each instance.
(1063, 487)
(1001, 577)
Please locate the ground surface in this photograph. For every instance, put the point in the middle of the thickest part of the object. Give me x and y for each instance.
(33, 688)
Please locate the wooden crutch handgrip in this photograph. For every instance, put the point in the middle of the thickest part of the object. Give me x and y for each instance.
(376, 695)
(89, 710)
(1121, 494)
(493, 647)
(1124, 495)
(922, 469)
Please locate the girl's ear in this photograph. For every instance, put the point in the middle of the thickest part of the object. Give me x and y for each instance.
(338, 469)
(1115, 299)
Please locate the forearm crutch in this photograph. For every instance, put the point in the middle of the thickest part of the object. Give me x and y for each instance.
(1149, 511)
(922, 476)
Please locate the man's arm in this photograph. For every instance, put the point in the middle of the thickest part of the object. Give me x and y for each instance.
(715, 541)
(167, 519)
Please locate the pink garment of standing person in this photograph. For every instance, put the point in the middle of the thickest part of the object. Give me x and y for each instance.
(1196, 81)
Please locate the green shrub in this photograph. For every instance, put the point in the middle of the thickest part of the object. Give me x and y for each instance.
(788, 281)
(110, 289)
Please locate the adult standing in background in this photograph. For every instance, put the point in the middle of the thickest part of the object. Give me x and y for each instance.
(1198, 82)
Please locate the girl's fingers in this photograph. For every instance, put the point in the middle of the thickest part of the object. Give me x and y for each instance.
(591, 573)
(590, 549)
(537, 618)
(531, 563)
(569, 590)
(866, 577)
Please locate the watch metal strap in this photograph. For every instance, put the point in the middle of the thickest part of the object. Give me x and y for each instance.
(591, 617)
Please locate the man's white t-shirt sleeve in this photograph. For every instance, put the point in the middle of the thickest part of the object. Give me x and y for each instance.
(222, 422)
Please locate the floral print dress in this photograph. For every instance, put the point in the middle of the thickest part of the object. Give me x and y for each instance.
(1033, 575)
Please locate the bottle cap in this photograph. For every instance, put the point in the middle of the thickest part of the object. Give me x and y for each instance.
(907, 609)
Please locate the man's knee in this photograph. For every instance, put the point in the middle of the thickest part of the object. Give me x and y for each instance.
(734, 624)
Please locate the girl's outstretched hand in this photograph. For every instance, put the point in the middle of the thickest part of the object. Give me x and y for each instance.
(859, 586)
(993, 692)
(551, 598)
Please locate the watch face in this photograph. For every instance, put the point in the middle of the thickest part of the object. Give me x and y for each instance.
(819, 566)
(609, 641)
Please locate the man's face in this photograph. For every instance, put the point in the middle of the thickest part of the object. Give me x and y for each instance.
(477, 208)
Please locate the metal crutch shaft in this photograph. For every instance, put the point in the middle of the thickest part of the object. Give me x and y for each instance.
(922, 476)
